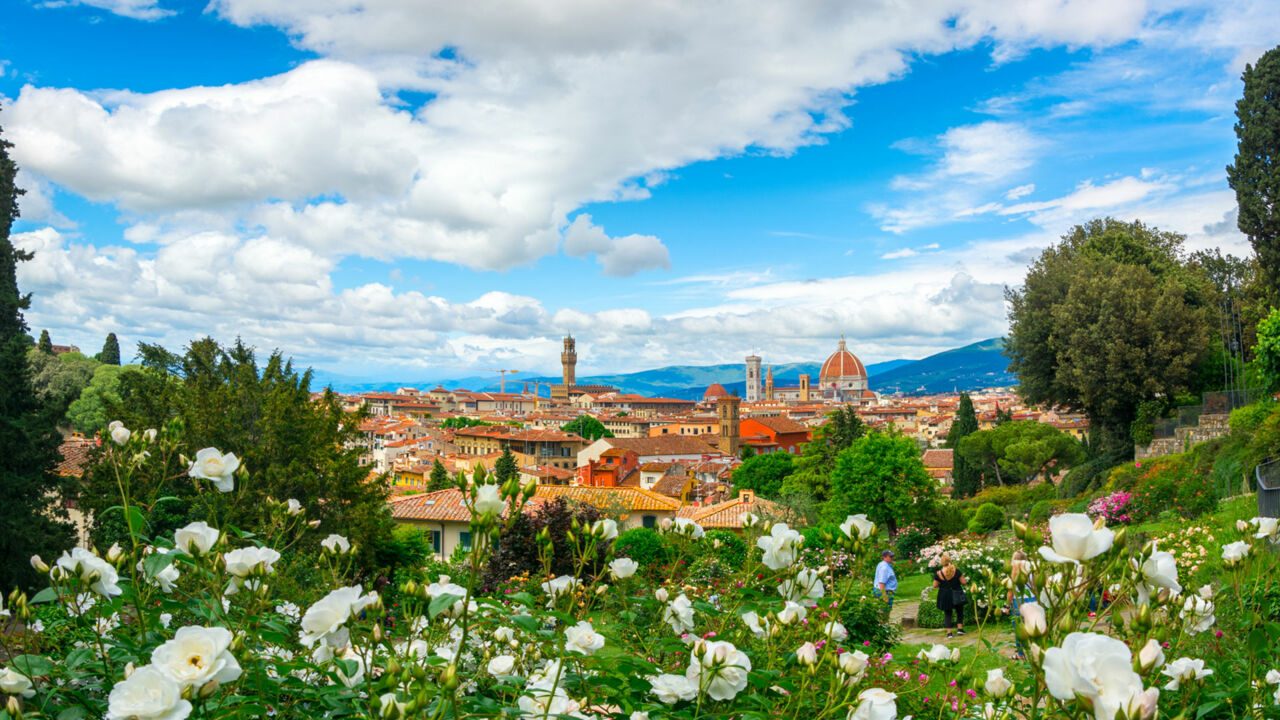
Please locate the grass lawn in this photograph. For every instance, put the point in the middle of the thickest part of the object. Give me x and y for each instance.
(909, 587)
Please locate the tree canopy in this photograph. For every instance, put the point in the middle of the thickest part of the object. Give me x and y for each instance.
(91, 412)
(45, 345)
(110, 354)
(439, 479)
(763, 473)
(1255, 174)
(1106, 319)
(60, 379)
(506, 467)
(588, 427)
(812, 475)
(1018, 451)
(966, 478)
(881, 475)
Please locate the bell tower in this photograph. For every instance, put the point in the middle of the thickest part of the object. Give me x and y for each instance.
(753, 378)
(569, 362)
(727, 407)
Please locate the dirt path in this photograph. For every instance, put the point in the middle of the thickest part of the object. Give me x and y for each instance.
(999, 634)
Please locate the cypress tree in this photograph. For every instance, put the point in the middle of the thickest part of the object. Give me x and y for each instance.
(1255, 175)
(46, 345)
(110, 354)
(33, 520)
(440, 479)
(966, 479)
(505, 468)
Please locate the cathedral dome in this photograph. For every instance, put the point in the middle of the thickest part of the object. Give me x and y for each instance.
(714, 392)
(842, 364)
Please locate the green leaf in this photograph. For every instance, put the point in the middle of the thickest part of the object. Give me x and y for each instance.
(157, 562)
(32, 665)
(75, 712)
(1207, 708)
(440, 603)
(523, 598)
(46, 595)
(526, 621)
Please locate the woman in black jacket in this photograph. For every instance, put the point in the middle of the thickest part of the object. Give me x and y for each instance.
(951, 597)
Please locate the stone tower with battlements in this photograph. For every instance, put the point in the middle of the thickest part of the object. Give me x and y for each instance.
(569, 362)
(753, 378)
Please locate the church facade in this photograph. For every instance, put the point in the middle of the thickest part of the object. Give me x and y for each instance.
(842, 379)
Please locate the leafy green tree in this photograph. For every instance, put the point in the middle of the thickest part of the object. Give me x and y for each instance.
(290, 445)
(91, 412)
(1108, 318)
(764, 473)
(746, 452)
(1267, 352)
(110, 354)
(1019, 451)
(60, 379)
(45, 345)
(588, 427)
(811, 480)
(1003, 415)
(461, 421)
(966, 479)
(506, 468)
(439, 479)
(881, 475)
(33, 520)
(1255, 175)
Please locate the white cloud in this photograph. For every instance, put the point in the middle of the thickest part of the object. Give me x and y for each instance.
(621, 256)
(1020, 191)
(897, 254)
(136, 9)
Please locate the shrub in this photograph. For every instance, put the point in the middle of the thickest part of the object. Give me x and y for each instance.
(867, 620)
(813, 536)
(929, 616)
(1114, 508)
(948, 519)
(517, 551)
(726, 546)
(1040, 512)
(989, 517)
(643, 545)
(1195, 496)
(911, 539)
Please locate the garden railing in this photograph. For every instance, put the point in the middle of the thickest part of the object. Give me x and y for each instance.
(1268, 475)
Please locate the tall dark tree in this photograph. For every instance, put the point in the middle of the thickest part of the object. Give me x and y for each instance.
(440, 479)
(45, 345)
(33, 520)
(966, 479)
(812, 475)
(1255, 175)
(110, 354)
(505, 467)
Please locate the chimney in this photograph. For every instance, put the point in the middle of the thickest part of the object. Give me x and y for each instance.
(747, 496)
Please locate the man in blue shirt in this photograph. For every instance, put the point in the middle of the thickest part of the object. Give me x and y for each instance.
(886, 582)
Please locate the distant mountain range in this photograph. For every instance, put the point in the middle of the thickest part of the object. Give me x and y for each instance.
(972, 367)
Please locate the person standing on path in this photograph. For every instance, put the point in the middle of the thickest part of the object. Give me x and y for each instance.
(886, 582)
(951, 597)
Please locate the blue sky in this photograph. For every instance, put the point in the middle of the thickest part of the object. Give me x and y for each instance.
(421, 193)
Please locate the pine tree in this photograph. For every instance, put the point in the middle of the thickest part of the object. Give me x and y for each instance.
(110, 354)
(439, 479)
(506, 468)
(1255, 175)
(966, 479)
(46, 345)
(33, 521)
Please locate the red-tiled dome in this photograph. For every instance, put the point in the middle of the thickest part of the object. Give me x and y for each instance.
(841, 364)
(715, 391)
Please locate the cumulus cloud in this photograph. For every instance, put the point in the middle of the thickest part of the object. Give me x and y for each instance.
(620, 257)
(136, 9)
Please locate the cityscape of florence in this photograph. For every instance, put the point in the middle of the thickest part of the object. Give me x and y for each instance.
(634, 360)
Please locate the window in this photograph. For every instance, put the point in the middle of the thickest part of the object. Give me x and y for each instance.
(464, 539)
(435, 540)
(650, 521)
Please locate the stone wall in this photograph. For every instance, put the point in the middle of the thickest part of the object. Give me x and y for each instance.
(1208, 428)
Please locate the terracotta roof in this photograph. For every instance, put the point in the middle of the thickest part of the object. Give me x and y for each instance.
(842, 363)
(781, 424)
(938, 458)
(671, 485)
(728, 514)
(664, 445)
(714, 391)
(630, 498)
(654, 466)
(441, 506)
(75, 456)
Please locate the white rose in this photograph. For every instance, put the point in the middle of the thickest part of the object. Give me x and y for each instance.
(197, 538)
(560, 585)
(805, 588)
(1160, 571)
(504, 634)
(1273, 677)
(501, 665)
(164, 579)
(807, 654)
(336, 544)
(749, 519)
(1198, 615)
(390, 706)
(489, 501)
(685, 526)
(997, 685)
(582, 639)
(293, 507)
(150, 434)
(325, 619)
(148, 694)
(1033, 619)
(1075, 540)
(623, 568)
(661, 595)
(857, 526)
(1234, 552)
(836, 631)
(781, 546)
(1185, 670)
(935, 654)
(1268, 528)
(757, 625)
(719, 669)
(212, 465)
(792, 613)
(1206, 592)
(854, 664)
(638, 715)
(679, 615)
(875, 704)
(1151, 656)
(243, 562)
(197, 655)
(13, 682)
(671, 689)
(605, 529)
(85, 565)
(1097, 668)
(120, 435)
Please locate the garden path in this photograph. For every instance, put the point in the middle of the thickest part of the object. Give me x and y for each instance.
(1001, 636)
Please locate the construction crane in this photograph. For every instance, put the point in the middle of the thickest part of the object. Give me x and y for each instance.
(502, 384)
